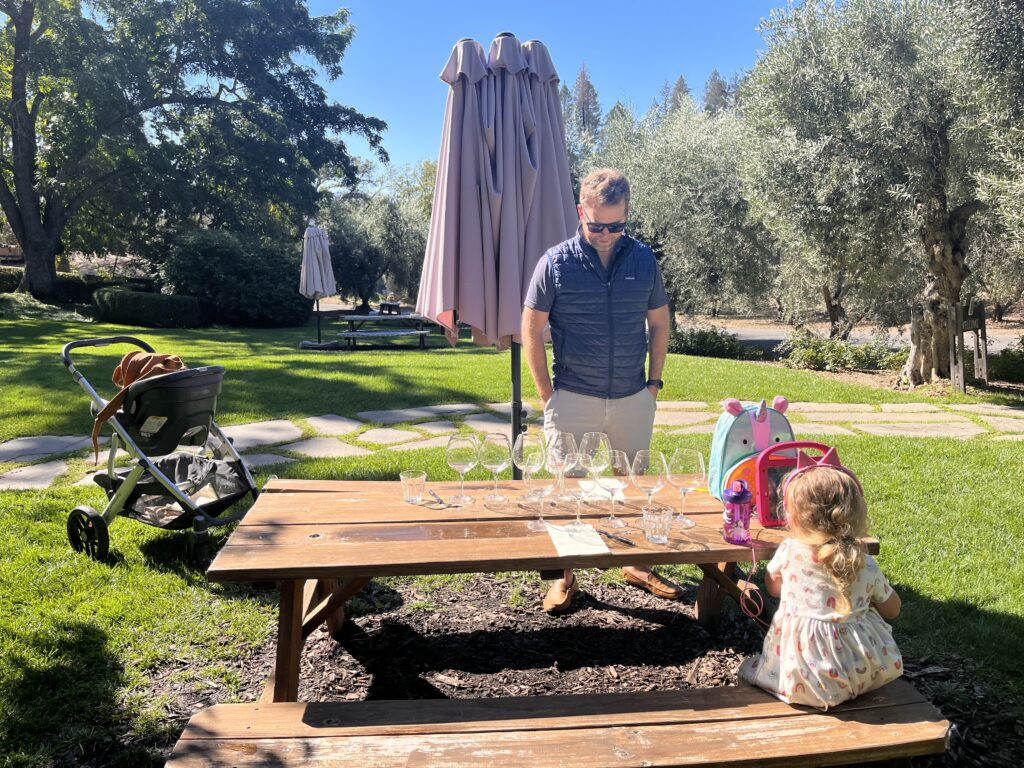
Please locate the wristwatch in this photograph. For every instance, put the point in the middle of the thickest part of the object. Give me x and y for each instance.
(656, 383)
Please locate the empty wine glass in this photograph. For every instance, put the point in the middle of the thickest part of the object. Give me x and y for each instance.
(686, 473)
(561, 446)
(528, 455)
(594, 456)
(612, 479)
(462, 454)
(648, 473)
(578, 493)
(495, 456)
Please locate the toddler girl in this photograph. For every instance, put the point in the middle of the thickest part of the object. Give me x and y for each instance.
(828, 641)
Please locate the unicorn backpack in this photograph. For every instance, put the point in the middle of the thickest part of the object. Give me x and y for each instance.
(741, 433)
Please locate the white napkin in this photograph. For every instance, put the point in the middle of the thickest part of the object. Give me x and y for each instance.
(582, 543)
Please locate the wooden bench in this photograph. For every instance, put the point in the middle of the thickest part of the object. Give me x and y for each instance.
(351, 336)
(717, 726)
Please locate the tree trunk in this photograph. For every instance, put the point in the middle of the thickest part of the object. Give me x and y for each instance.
(838, 320)
(40, 269)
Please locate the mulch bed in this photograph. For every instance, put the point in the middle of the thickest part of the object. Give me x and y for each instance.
(488, 637)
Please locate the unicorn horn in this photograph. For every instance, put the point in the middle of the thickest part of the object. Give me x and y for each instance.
(762, 411)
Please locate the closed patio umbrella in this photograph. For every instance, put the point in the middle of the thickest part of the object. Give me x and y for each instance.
(503, 194)
(316, 279)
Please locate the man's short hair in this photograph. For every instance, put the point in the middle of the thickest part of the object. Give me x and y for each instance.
(605, 186)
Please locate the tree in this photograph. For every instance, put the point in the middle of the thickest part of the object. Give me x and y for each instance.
(581, 113)
(864, 141)
(106, 94)
(716, 94)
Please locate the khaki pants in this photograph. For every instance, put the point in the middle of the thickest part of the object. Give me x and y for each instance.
(628, 421)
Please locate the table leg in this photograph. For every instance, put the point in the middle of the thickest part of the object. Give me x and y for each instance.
(327, 604)
(289, 642)
(711, 594)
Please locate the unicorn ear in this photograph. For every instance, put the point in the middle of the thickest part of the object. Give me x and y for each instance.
(780, 404)
(803, 461)
(830, 459)
(733, 406)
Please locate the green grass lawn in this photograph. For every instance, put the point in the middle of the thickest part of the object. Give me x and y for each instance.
(88, 651)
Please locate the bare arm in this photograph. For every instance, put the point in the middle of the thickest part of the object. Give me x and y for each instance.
(657, 332)
(890, 607)
(532, 331)
(773, 583)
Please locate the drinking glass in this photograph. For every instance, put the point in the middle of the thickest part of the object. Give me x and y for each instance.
(528, 455)
(648, 474)
(462, 454)
(495, 456)
(580, 492)
(561, 446)
(612, 479)
(594, 456)
(686, 473)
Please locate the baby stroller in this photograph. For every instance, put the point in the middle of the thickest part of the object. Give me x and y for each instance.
(184, 472)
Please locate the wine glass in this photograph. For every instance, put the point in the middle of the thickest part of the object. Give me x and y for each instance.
(594, 450)
(685, 473)
(613, 479)
(495, 456)
(648, 473)
(462, 454)
(528, 455)
(561, 446)
(581, 491)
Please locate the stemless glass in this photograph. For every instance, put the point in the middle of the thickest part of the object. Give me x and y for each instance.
(561, 446)
(594, 456)
(686, 473)
(612, 479)
(462, 454)
(528, 455)
(648, 473)
(495, 456)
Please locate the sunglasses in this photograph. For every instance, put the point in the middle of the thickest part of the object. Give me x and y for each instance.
(598, 228)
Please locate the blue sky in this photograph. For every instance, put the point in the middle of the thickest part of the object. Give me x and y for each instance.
(630, 49)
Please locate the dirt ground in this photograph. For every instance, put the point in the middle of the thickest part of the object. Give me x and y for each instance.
(486, 636)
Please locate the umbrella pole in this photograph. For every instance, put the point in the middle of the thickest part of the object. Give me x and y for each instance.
(517, 400)
(317, 310)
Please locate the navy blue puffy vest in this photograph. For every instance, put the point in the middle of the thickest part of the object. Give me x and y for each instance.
(598, 319)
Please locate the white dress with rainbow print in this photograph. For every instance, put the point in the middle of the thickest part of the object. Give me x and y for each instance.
(813, 654)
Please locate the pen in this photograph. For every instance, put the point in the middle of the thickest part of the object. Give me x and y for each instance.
(619, 539)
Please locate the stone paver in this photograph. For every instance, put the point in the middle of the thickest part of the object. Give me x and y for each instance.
(387, 436)
(254, 460)
(888, 418)
(506, 409)
(682, 405)
(1008, 438)
(246, 436)
(32, 477)
(325, 448)
(437, 427)
(681, 418)
(29, 448)
(830, 407)
(989, 408)
(961, 431)
(433, 442)
(488, 422)
(801, 430)
(909, 408)
(412, 414)
(698, 429)
(1003, 424)
(330, 424)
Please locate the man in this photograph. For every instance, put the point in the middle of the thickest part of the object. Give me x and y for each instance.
(602, 294)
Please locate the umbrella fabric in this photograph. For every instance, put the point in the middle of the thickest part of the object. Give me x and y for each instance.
(503, 194)
(317, 277)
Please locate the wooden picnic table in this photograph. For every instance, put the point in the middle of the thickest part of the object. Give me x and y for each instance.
(324, 540)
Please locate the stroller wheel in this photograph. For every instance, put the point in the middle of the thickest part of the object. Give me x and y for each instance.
(87, 532)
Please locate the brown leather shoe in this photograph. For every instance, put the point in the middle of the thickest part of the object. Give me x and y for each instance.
(559, 597)
(655, 584)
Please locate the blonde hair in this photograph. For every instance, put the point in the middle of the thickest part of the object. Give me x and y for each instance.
(605, 186)
(827, 510)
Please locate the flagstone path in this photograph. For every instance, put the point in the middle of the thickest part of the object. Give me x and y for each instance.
(42, 459)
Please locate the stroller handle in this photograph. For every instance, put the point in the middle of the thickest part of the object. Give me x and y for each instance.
(104, 342)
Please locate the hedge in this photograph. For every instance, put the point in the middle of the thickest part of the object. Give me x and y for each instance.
(10, 279)
(151, 310)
